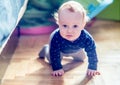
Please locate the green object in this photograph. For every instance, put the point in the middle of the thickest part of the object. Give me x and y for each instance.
(94, 7)
(112, 12)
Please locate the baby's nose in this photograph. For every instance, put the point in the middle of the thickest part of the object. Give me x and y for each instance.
(69, 30)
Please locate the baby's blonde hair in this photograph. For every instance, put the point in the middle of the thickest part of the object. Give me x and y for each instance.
(72, 6)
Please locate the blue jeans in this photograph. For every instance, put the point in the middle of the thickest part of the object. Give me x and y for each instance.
(77, 56)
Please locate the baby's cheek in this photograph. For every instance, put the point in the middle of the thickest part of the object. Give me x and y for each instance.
(77, 34)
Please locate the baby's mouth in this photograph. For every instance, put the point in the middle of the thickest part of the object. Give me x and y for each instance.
(68, 36)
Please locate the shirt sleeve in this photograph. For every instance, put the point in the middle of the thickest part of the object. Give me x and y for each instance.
(55, 53)
(90, 48)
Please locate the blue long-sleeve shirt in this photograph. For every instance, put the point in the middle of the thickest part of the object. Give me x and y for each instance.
(59, 44)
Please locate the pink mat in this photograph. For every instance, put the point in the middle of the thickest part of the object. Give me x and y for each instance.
(37, 30)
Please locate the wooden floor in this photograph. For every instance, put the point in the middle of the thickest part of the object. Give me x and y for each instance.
(26, 69)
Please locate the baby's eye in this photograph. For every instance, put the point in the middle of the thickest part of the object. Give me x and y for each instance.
(75, 26)
(65, 26)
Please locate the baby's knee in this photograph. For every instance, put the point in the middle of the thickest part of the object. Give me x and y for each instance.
(78, 59)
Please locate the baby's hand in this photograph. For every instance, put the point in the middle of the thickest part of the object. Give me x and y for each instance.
(58, 72)
(91, 72)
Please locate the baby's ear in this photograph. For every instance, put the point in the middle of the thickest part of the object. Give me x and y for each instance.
(84, 23)
(56, 18)
(86, 19)
(57, 22)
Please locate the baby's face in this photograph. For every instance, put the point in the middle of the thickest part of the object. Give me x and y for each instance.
(70, 24)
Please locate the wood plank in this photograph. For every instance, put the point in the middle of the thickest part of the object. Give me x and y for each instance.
(38, 72)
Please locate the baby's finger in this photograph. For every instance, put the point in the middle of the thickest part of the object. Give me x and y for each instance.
(90, 74)
(54, 74)
(97, 73)
(59, 74)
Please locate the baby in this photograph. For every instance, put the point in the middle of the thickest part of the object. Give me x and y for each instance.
(70, 39)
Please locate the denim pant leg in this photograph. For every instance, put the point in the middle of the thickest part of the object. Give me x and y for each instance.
(46, 51)
(77, 56)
